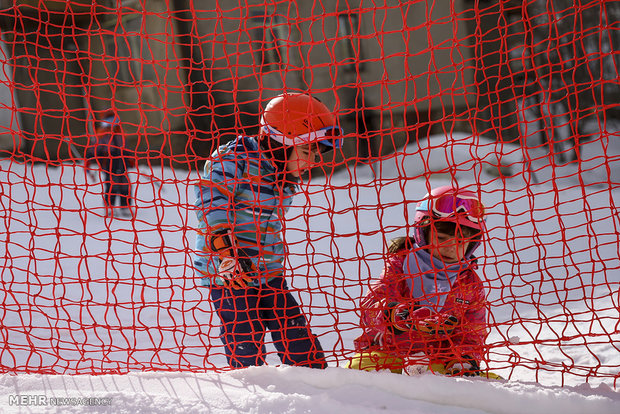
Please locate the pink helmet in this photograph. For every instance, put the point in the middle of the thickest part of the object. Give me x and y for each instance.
(449, 204)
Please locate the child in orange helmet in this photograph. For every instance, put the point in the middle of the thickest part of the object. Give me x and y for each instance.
(246, 188)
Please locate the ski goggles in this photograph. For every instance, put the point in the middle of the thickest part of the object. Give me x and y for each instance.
(326, 136)
(450, 205)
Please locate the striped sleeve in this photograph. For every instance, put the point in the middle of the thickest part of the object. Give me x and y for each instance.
(215, 193)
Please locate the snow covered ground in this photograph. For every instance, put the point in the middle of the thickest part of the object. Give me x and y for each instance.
(83, 293)
(300, 390)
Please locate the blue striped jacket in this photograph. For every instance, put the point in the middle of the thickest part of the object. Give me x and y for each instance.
(239, 189)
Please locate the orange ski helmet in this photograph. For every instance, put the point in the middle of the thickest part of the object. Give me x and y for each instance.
(297, 119)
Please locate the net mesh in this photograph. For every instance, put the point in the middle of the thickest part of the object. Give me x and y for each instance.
(122, 102)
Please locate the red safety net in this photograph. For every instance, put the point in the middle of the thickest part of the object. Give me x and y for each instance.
(122, 102)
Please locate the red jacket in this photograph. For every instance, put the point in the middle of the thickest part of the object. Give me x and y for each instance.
(465, 300)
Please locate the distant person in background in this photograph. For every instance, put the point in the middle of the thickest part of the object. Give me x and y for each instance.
(109, 151)
(427, 312)
(244, 192)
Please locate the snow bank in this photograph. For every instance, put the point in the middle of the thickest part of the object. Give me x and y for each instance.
(299, 390)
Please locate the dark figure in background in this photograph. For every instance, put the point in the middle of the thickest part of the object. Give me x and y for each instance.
(113, 158)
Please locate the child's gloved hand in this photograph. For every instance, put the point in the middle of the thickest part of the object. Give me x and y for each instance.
(436, 324)
(400, 318)
(397, 317)
(465, 366)
(235, 268)
(235, 272)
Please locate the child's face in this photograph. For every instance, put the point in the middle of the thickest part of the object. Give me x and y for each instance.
(450, 248)
(302, 159)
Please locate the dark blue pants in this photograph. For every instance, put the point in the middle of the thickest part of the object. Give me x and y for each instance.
(116, 185)
(247, 315)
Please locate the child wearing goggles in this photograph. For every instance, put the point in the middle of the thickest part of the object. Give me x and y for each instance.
(427, 312)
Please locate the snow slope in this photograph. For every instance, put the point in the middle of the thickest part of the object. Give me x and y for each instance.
(296, 390)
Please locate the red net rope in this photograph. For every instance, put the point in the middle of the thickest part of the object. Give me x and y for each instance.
(120, 104)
